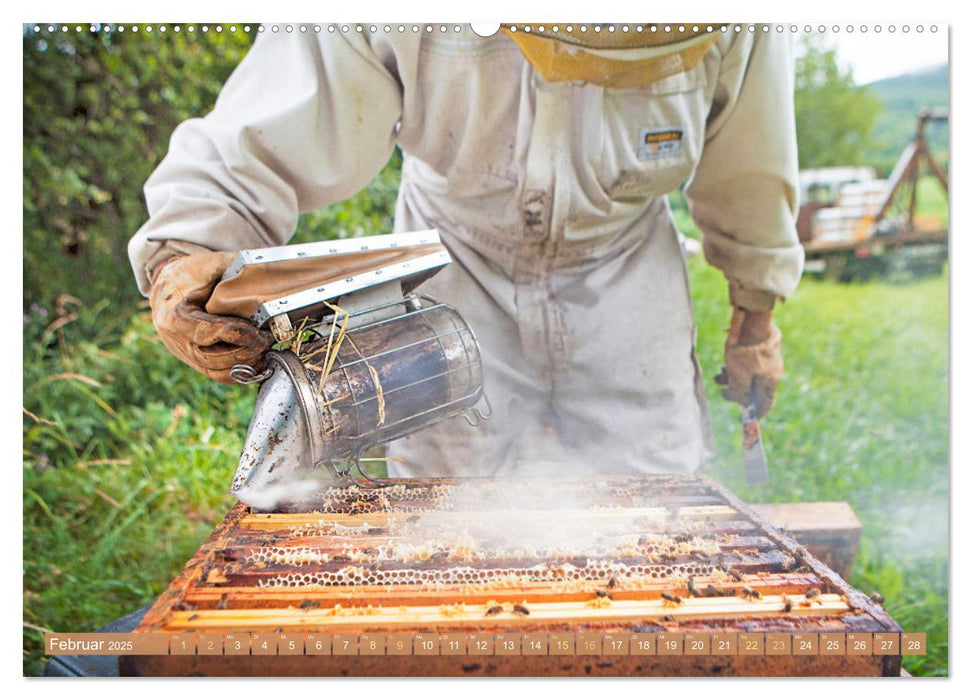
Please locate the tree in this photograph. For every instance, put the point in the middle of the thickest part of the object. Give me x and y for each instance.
(99, 107)
(834, 116)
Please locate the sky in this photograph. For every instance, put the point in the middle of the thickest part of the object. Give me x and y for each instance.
(873, 55)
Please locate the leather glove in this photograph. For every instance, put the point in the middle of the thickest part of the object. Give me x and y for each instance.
(753, 360)
(210, 344)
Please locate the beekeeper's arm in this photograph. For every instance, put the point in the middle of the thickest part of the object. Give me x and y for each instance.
(743, 196)
(303, 122)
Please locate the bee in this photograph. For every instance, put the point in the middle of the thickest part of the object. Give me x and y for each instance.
(668, 618)
(494, 610)
(643, 540)
(223, 602)
(788, 605)
(613, 583)
(691, 588)
(877, 598)
(668, 557)
(682, 537)
(520, 609)
(700, 556)
(601, 593)
(440, 555)
(413, 519)
(193, 617)
(734, 574)
(711, 591)
(308, 604)
(671, 598)
(812, 593)
(751, 593)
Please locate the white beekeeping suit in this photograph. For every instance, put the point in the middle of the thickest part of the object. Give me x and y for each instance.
(550, 195)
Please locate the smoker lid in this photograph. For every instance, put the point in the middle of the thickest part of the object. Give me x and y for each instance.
(296, 280)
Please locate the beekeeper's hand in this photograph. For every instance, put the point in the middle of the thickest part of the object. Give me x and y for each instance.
(753, 360)
(210, 344)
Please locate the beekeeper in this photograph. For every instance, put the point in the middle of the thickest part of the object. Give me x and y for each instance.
(543, 159)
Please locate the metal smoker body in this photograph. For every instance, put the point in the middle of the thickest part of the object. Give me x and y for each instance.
(373, 366)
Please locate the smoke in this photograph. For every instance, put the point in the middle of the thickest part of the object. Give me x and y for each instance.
(916, 528)
(537, 517)
(295, 494)
(580, 522)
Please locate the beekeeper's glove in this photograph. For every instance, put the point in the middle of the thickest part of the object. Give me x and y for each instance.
(753, 360)
(210, 344)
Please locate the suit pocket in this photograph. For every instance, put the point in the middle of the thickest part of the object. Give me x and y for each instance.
(652, 136)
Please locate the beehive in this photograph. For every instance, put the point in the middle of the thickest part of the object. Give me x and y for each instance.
(522, 559)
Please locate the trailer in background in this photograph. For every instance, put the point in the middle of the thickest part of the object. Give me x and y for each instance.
(855, 226)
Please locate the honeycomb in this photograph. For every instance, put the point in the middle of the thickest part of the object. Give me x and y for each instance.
(511, 536)
(490, 577)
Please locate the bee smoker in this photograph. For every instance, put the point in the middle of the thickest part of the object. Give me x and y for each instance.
(366, 361)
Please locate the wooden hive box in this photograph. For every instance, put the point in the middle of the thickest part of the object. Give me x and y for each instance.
(573, 580)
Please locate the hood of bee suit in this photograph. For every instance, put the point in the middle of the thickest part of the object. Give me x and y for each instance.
(610, 59)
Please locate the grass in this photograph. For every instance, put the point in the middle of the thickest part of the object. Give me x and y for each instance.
(932, 199)
(862, 416)
(128, 454)
(127, 457)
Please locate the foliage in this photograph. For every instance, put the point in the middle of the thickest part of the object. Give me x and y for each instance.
(98, 111)
(903, 98)
(127, 454)
(834, 116)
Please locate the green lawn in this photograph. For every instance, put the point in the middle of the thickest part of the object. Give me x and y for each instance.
(932, 199)
(128, 454)
(862, 416)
